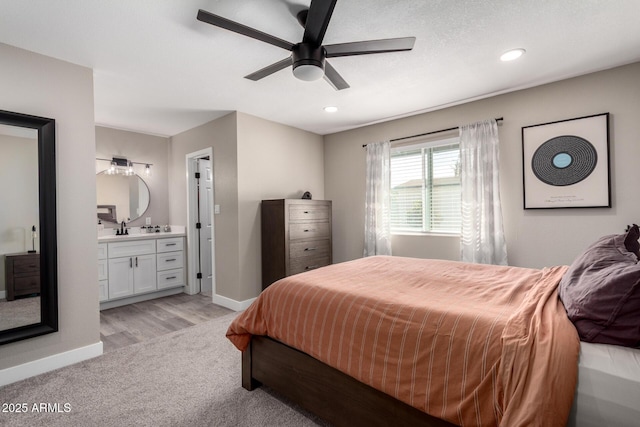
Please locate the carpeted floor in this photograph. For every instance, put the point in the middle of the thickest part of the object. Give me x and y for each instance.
(186, 378)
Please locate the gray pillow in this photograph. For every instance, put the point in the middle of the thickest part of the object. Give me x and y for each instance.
(601, 293)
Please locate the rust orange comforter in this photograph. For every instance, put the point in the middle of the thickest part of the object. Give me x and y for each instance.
(473, 344)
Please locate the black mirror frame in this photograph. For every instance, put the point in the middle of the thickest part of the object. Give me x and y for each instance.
(48, 236)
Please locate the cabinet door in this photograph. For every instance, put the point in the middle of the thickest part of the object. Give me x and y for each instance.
(144, 273)
(120, 277)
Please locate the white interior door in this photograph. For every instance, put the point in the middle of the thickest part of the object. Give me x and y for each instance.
(205, 193)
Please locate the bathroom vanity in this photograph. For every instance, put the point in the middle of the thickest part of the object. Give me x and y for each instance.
(138, 267)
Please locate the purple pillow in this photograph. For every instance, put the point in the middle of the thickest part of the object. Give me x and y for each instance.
(601, 293)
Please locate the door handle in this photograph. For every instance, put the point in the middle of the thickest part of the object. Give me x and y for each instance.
(136, 261)
(130, 262)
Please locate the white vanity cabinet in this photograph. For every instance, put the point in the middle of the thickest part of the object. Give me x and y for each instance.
(136, 269)
(132, 268)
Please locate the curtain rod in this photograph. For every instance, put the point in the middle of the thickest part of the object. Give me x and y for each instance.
(499, 119)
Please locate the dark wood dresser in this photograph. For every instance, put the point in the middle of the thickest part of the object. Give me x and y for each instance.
(296, 237)
(22, 274)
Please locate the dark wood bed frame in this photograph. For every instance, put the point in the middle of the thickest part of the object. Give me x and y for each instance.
(323, 390)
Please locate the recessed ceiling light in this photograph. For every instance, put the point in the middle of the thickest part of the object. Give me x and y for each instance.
(512, 54)
(330, 109)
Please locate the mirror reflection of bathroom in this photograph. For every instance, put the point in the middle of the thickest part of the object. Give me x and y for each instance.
(19, 243)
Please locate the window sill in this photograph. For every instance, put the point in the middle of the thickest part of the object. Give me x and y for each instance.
(426, 234)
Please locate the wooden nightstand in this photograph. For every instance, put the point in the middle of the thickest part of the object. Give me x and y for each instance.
(22, 274)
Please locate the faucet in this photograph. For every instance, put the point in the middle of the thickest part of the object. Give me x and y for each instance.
(123, 229)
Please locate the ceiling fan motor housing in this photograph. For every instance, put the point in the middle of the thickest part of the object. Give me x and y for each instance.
(307, 57)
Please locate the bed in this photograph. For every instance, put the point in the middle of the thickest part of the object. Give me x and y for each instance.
(340, 340)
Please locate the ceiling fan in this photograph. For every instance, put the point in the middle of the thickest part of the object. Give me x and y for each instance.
(308, 57)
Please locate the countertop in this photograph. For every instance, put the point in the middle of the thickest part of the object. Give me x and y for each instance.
(140, 236)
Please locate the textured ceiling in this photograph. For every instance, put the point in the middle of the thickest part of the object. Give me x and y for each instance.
(158, 70)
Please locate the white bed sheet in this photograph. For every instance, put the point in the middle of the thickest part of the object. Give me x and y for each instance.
(608, 392)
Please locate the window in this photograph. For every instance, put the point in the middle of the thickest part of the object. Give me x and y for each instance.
(425, 187)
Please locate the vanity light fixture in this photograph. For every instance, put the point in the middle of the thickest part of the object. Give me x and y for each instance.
(512, 54)
(122, 166)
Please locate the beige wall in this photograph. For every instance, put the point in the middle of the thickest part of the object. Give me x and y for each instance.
(274, 162)
(42, 86)
(535, 238)
(253, 159)
(221, 136)
(143, 148)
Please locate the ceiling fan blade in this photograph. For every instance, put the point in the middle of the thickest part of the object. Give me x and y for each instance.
(369, 47)
(269, 69)
(334, 79)
(221, 22)
(320, 12)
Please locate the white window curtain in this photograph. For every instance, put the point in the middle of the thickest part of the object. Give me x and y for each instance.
(482, 235)
(377, 221)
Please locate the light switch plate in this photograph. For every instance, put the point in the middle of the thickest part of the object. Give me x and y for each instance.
(216, 209)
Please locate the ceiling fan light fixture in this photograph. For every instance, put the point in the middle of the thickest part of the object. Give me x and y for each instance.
(308, 62)
(308, 72)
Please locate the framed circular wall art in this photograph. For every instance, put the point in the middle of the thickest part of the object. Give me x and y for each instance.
(566, 163)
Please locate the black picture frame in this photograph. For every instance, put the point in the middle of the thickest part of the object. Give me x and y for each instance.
(566, 164)
(46, 128)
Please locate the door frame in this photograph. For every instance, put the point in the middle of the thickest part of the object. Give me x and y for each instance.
(193, 283)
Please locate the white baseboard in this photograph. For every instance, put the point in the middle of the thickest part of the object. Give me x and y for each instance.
(46, 364)
(231, 303)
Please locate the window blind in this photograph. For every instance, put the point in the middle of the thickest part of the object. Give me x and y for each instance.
(425, 188)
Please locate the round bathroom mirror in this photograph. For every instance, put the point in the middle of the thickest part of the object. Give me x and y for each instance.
(121, 197)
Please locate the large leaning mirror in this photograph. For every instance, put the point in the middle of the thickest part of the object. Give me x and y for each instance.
(121, 197)
(28, 248)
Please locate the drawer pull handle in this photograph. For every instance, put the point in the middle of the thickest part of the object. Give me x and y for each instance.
(136, 261)
(169, 244)
(306, 211)
(310, 249)
(171, 277)
(309, 230)
(311, 267)
(172, 259)
(130, 262)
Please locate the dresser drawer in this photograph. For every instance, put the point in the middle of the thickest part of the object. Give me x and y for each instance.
(103, 294)
(300, 265)
(137, 247)
(26, 265)
(304, 213)
(170, 244)
(103, 269)
(307, 248)
(102, 251)
(171, 278)
(169, 260)
(308, 230)
(27, 284)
